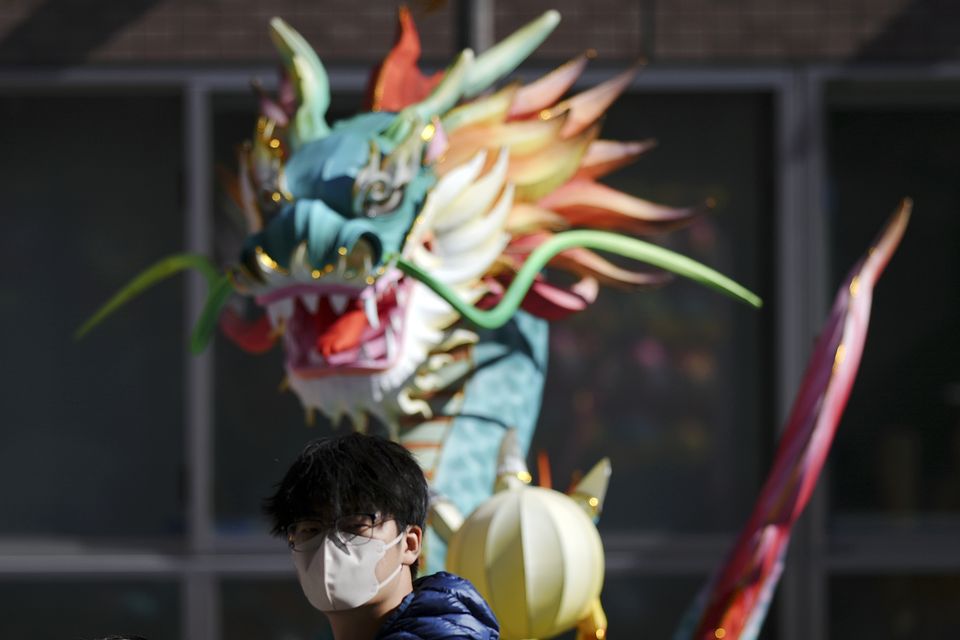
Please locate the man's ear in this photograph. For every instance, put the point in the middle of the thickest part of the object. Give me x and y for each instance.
(411, 545)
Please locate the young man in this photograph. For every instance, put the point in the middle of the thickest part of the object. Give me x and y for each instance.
(353, 509)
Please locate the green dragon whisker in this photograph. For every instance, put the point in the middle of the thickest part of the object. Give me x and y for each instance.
(217, 296)
(599, 240)
(219, 289)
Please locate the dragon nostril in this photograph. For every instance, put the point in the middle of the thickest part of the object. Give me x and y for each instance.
(363, 257)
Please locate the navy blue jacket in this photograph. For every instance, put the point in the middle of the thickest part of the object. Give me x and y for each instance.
(441, 605)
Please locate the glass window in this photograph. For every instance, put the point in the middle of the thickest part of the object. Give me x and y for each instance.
(269, 609)
(674, 385)
(895, 607)
(88, 610)
(647, 606)
(897, 454)
(93, 441)
(652, 606)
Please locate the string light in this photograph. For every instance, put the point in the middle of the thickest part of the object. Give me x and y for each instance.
(838, 359)
(268, 262)
(854, 285)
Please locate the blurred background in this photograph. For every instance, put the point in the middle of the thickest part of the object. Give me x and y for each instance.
(131, 473)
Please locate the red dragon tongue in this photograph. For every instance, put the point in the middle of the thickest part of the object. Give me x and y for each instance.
(344, 334)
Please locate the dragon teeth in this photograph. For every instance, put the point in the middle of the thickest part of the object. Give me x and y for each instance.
(391, 343)
(310, 301)
(280, 311)
(370, 308)
(339, 302)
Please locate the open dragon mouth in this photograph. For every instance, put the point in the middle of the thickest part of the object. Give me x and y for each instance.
(336, 329)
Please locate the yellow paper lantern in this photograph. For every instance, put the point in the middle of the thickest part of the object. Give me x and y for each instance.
(535, 555)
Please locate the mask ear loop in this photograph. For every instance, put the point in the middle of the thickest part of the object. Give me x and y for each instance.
(396, 571)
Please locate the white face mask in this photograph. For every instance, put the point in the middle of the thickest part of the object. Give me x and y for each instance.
(336, 576)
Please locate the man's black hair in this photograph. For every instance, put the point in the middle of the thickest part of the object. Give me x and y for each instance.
(346, 475)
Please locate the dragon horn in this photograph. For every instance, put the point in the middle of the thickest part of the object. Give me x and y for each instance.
(468, 76)
(444, 516)
(443, 97)
(448, 92)
(503, 57)
(591, 490)
(511, 467)
(309, 80)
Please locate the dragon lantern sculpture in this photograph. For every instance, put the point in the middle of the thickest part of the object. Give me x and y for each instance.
(408, 259)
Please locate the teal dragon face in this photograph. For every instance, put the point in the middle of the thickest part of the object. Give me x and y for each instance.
(329, 213)
(350, 194)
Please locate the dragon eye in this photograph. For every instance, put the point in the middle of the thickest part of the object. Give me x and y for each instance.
(379, 191)
(379, 186)
(377, 196)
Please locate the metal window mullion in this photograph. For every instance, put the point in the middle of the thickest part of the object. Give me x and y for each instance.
(789, 324)
(481, 24)
(473, 25)
(200, 610)
(819, 289)
(801, 304)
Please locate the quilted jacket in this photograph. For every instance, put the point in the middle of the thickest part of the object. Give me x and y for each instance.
(441, 605)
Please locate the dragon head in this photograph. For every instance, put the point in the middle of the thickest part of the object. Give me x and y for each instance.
(325, 217)
(444, 175)
(375, 248)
